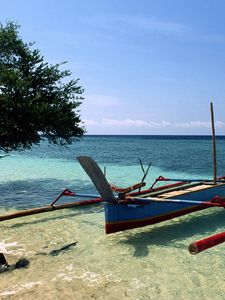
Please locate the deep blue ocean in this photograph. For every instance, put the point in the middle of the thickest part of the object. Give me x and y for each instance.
(36, 176)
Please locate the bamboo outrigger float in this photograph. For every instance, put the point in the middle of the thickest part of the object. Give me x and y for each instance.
(206, 243)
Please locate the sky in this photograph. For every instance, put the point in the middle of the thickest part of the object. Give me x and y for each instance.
(147, 66)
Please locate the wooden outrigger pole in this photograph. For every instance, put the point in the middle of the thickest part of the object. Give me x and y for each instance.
(214, 145)
(52, 207)
(38, 210)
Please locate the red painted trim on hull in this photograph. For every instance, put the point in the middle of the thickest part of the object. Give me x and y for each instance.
(121, 226)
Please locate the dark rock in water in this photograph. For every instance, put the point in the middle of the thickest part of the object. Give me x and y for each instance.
(22, 263)
(3, 260)
(3, 263)
(58, 251)
(66, 247)
(4, 268)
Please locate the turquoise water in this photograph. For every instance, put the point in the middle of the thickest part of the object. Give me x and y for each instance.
(145, 263)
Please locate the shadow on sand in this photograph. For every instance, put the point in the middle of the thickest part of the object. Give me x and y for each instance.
(191, 225)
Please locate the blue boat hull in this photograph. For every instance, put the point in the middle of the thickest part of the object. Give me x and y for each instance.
(119, 217)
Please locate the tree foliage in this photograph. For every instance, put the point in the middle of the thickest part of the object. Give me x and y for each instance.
(36, 99)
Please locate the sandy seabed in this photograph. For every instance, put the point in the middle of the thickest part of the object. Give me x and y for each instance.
(145, 263)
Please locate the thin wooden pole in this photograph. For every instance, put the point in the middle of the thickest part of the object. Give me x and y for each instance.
(38, 210)
(214, 144)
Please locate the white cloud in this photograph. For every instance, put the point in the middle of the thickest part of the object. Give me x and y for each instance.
(199, 124)
(130, 123)
(193, 124)
(124, 123)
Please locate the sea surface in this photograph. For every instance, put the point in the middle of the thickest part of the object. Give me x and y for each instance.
(69, 255)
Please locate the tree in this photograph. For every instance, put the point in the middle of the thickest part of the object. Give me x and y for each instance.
(37, 100)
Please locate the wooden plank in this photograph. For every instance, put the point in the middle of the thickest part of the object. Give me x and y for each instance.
(186, 191)
(174, 194)
(197, 188)
(178, 188)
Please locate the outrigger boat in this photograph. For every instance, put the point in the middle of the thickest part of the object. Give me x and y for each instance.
(154, 205)
(130, 210)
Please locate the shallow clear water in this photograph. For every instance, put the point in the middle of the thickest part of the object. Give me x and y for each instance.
(146, 263)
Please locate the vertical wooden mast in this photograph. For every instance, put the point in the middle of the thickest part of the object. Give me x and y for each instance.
(214, 144)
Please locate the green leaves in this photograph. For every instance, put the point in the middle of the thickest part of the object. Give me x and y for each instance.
(36, 100)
